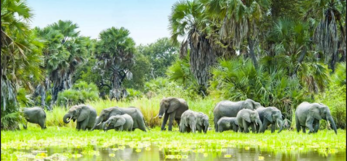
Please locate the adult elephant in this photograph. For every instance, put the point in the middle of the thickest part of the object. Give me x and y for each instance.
(248, 118)
(230, 109)
(309, 114)
(35, 115)
(84, 115)
(172, 108)
(134, 112)
(270, 116)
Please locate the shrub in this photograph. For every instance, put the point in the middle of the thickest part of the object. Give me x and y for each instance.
(79, 93)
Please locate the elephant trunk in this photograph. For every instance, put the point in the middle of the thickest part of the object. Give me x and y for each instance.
(332, 123)
(97, 122)
(260, 125)
(161, 112)
(67, 118)
(105, 126)
(280, 124)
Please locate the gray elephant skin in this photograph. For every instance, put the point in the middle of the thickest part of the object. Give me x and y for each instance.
(227, 123)
(270, 116)
(35, 115)
(309, 114)
(172, 109)
(192, 121)
(84, 115)
(134, 112)
(202, 122)
(119, 123)
(230, 109)
(248, 118)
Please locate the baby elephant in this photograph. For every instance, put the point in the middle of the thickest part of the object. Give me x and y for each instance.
(35, 115)
(192, 121)
(119, 123)
(246, 118)
(202, 122)
(227, 123)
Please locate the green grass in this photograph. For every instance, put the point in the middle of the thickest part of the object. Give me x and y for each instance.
(325, 141)
(149, 108)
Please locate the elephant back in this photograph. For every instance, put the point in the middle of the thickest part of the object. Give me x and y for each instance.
(227, 108)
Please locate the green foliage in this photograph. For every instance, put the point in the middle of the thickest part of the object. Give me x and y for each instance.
(335, 96)
(21, 57)
(161, 54)
(238, 80)
(140, 70)
(79, 93)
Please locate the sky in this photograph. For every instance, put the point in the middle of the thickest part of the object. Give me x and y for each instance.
(147, 20)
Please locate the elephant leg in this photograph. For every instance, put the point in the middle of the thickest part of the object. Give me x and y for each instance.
(120, 128)
(84, 123)
(78, 126)
(166, 116)
(42, 124)
(309, 123)
(264, 126)
(316, 126)
(273, 127)
(245, 126)
(215, 120)
(141, 125)
(303, 129)
(220, 129)
(253, 127)
(235, 128)
(178, 121)
(172, 117)
(297, 124)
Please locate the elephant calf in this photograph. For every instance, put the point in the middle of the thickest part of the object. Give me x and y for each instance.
(227, 123)
(192, 121)
(119, 123)
(35, 115)
(246, 118)
(270, 116)
(202, 122)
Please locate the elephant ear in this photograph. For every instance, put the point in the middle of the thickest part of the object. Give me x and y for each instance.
(172, 105)
(119, 122)
(268, 115)
(247, 117)
(84, 113)
(315, 112)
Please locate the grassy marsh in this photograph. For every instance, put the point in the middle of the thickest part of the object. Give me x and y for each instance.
(173, 144)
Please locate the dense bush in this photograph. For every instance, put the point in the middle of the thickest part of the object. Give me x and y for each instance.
(79, 93)
(335, 96)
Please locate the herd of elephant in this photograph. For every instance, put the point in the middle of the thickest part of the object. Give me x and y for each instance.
(237, 116)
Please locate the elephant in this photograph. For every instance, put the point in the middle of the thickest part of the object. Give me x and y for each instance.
(230, 109)
(246, 118)
(134, 112)
(188, 121)
(84, 114)
(270, 116)
(228, 123)
(34, 115)
(172, 108)
(309, 114)
(202, 122)
(119, 123)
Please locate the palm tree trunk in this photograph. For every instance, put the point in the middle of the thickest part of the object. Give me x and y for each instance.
(251, 51)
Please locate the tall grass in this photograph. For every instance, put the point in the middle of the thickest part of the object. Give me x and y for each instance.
(148, 106)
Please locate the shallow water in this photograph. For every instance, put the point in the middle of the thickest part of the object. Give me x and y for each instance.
(153, 152)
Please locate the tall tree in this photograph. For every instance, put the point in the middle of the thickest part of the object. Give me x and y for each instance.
(188, 20)
(20, 58)
(64, 52)
(115, 52)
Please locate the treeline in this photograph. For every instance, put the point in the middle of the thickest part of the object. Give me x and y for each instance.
(279, 53)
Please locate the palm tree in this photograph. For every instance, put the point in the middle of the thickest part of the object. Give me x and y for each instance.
(65, 51)
(115, 52)
(188, 19)
(240, 20)
(20, 58)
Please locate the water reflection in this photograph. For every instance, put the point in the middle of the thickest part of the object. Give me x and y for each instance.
(154, 153)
